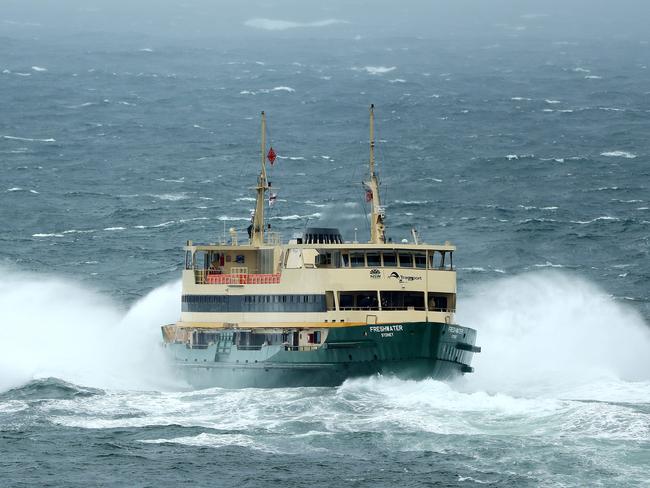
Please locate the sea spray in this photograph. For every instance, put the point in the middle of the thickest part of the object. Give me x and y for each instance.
(553, 333)
(51, 327)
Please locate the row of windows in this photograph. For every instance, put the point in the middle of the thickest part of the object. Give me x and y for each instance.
(281, 298)
(395, 300)
(388, 259)
(253, 303)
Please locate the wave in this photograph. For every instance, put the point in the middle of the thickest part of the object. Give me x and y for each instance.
(283, 88)
(619, 154)
(280, 25)
(28, 139)
(172, 197)
(604, 217)
(80, 336)
(376, 70)
(548, 333)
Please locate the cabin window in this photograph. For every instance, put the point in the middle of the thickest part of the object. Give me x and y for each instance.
(188, 259)
(324, 259)
(345, 260)
(406, 260)
(402, 300)
(357, 260)
(441, 302)
(420, 260)
(358, 300)
(390, 259)
(373, 259)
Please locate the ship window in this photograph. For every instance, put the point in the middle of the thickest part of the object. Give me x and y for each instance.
(390, 259)
(420, 260)
(358, 300)
(345, 260)
(373, 259)
(405, 260)
(402, 300)
(441, 302)
(356, 259)
(188, 259)
(317, 337)
(324, 259)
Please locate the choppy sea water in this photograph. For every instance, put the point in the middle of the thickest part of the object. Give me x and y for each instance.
(532, 158)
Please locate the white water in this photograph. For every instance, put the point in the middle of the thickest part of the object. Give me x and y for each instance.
(552, 334)
(51, 327)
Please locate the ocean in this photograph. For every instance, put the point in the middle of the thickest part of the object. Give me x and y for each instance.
(532, 157)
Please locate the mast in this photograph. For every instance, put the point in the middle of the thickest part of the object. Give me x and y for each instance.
(377, 228)
(257, 233)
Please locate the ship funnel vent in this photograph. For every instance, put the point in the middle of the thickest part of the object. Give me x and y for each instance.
(316, 235)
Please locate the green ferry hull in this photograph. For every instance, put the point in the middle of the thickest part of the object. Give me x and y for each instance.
(414, 351)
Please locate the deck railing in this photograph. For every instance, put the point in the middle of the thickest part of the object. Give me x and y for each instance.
(202, 277)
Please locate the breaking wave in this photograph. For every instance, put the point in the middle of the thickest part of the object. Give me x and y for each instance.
(80, 336)
(280, 25)
(551, 333)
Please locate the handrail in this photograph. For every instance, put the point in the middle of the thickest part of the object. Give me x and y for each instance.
(209, 277)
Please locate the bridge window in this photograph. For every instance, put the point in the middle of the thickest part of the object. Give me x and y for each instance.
(357, 260)
(406, 260)
(345, 260)
(373, 259)
(390, 259)
(402, 300)
(420, 260)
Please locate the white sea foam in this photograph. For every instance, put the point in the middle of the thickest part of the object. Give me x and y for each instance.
(520, 99)
(296, 217)
(280, 25)
(214, 440)
(115, 228)
(38, 68)
(619, 154)
(28, 139)
(79, 335)
(15, 188)
(532, 314)
(397, 80)
(164, 224)
(245, 199)
(593, 77)
(283, 88)
(552, 102)
(292, 158)
(47, 235)
(228, 218)
(604, 217)
(172, 197)
(376, 70)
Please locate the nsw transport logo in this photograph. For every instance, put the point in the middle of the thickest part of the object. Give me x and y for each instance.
(375, 273)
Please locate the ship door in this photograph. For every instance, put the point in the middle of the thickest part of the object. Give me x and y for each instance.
(296, 339)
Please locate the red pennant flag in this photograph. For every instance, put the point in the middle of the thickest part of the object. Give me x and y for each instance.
(368, 195)
(271, 155)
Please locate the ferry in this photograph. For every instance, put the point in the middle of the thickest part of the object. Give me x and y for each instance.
(317, 309)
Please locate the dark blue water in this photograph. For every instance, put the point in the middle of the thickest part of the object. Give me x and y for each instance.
(532, 157)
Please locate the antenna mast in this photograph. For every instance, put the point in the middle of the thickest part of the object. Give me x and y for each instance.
(377, 228)
(257, 234)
